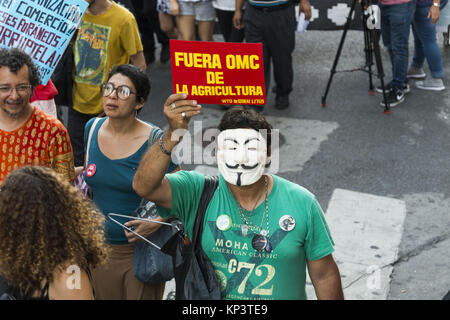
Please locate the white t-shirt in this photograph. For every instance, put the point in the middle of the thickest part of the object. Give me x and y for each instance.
(226, 5)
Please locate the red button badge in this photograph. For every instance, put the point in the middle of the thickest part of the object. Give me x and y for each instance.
(90, 171)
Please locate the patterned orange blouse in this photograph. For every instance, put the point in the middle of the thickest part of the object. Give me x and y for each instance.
(41, 140)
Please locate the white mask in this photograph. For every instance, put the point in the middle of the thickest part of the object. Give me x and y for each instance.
(241, 156)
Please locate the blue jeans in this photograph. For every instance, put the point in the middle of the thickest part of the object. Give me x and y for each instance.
(395, 23)
(425, 45)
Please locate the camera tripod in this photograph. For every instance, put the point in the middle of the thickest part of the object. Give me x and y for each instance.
(371, 49)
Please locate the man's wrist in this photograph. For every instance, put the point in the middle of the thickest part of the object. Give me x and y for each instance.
(163, 149)
(167, 143)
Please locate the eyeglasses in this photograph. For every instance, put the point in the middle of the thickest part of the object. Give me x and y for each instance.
(21, 89)
(123, 92)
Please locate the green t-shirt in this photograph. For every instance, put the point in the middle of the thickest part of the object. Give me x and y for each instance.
(243, 272)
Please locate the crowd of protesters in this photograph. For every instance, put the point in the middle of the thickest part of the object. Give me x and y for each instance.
(64, 232)
(123, 159)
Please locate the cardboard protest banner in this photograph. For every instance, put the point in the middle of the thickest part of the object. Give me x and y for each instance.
(41, 28)
(218, 72)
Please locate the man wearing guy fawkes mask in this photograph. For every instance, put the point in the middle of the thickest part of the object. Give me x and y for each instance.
(241, 156)
(260, 231)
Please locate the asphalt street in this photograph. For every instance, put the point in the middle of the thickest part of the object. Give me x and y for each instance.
(352, 150)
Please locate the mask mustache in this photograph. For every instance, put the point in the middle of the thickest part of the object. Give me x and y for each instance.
(243, 166)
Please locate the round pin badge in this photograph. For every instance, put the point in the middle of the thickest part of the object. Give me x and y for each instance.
(287, 222)
(259, 242)
(90, 170)
(223, 222)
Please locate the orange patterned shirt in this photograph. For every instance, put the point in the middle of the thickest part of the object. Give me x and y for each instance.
(41, 140)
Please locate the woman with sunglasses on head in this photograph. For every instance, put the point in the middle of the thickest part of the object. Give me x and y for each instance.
(117, 145)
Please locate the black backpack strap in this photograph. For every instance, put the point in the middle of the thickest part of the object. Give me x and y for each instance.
(44, 292)
(211, 184)
(5, 290)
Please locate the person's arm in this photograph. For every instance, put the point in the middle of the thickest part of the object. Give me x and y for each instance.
(144, 228)
(174, 7)
(131, 42)
(305, 7)
(79, 170)
(149, 181)
(62, 161)
(68, 284)
(434, 12)
(237, 18)
(138, 60)
(326, 279)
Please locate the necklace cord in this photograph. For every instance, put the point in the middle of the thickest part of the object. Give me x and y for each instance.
(266, 212)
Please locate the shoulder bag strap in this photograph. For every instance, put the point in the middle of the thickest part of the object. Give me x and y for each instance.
(91, 131)
(211, 184)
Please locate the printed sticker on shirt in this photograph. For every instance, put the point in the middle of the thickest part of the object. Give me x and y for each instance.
(90, 52)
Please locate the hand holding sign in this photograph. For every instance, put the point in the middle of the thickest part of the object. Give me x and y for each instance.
(178, 111)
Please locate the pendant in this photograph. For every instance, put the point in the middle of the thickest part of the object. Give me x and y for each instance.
(268, 247)
(244, 230)
(259, 242)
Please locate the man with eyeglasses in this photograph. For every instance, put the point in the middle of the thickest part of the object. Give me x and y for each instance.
(28, 136)
(108, 36)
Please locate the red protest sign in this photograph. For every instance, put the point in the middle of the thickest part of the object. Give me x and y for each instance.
(218, 72)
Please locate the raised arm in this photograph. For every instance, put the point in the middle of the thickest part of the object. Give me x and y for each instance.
(149, 181)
